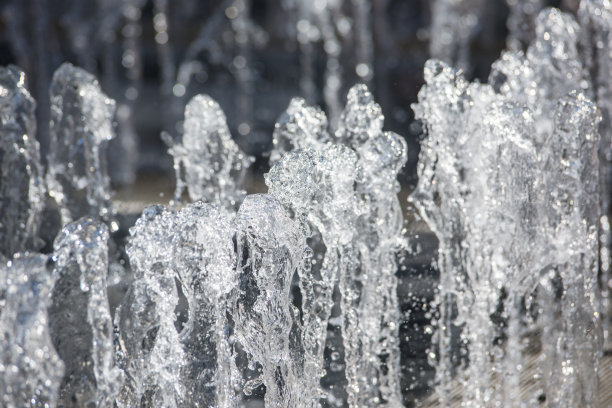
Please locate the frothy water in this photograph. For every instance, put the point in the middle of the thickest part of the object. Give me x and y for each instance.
(207, 162)
(508, 181)
(291, 298)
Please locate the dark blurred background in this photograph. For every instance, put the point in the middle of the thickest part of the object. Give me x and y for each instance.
(246, 54)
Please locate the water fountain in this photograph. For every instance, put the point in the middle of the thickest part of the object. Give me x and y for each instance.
(292, 297)
(506, 173)
(23, 200)
(31, 367)
(80, 321)
(81, 123)
(207, 162)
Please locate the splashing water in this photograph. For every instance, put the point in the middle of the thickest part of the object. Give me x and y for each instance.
(81, 125)
(150, 353)
(329, 187)
(21, 183)
(300, 126)
(271, 248)
(208, 163)
(292, 296)
(550, 69)
(317, 187)
(490, 190)
(572, 188)
(174, 366)
(204, 264)
(30, 368)
(596, 42)
(80, 319)
(381, 155)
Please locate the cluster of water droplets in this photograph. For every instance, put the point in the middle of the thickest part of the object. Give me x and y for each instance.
(509, 183)
(207, 162)
(211, 313)
(232, 297)
(595, 18)
(343, 189)
(57, 324)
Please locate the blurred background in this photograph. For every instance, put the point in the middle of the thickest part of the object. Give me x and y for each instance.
(252, 56)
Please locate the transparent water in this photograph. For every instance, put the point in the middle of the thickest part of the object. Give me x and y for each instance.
(292, 298)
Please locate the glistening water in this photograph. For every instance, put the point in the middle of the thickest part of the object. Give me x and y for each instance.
(295, 297)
